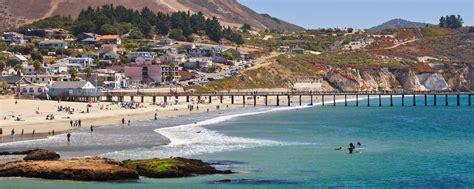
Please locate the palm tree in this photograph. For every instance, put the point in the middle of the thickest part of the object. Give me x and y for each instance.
(18, 68)
(73, 72)
(88, 71)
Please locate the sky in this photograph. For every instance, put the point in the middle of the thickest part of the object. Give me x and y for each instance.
(361, 14)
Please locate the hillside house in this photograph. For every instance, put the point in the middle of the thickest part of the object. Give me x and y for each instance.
(13, 38)
(53, 44)
(133, 55)
(109, 39)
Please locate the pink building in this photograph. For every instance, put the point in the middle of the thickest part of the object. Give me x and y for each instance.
(156, 73)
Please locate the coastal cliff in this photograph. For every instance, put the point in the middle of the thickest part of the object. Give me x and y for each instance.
(419, 77)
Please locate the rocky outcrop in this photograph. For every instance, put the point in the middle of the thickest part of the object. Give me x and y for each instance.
(41, 154)
(351, 79)
(433, 81)
(172, 167)
(88, 169)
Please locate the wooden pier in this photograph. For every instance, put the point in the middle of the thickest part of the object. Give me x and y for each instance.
(343, 97)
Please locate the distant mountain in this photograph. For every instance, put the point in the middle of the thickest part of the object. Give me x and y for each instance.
(229, 12)
(397, 24)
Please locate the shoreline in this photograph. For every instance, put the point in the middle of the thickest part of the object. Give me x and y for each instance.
(147, 114)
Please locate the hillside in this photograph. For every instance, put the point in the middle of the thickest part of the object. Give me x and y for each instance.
(428, 58)
(397, 24)
(230, 12)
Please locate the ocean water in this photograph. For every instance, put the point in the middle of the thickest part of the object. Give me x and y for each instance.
(402, 147)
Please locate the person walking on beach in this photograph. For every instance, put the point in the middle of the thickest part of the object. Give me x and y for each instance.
(33, 132)
(92, 129)
(156, 116)
(123, 121)
(79, 122)
(128, 122)
(53, 132)
(22, 131)
(68, 137)
(70, 122)
(13, 132)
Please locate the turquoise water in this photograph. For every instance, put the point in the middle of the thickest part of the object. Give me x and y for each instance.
(402, 147)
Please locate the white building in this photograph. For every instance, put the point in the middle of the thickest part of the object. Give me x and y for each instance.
(133, 55)
(83, 62)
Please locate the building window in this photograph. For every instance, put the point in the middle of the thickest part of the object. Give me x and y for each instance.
(40, 90)
(31, 90)
(24, 90)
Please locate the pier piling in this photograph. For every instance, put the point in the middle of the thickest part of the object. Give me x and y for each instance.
(254, 100)
(426, 100)
(357, 100)
(458, 103)
(232, 99)
(380, 100)
(334, 100)
(469, 100)
(368, 100)
(446, 98)
(278, 100)
(435, 100)
(289, 100)
(403, 100)
(345, 100)
(391, 100)
(322, 100)
(414, 100)
(243, 100)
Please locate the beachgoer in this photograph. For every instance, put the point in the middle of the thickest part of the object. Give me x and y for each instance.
(22, 131)
(123, 120)
(340, 148)
(33, 132)
(13, 132)
(70, 122)
(358, 144)
(156, 116)
(128, 122)
(351, 148)
(53, 132)
(92, 128)
(79, 122)
(68, 137)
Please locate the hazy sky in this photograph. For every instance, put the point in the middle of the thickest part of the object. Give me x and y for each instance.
(361, 13)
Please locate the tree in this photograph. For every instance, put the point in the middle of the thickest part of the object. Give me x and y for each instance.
(451, 21)
(246, 27)
(73, 72)
(37, 66)
(109, 29)
(36, 55)
(2, 65)
(442, 22)
(5, 86)
(228, 55)
(18, 68)
(214, 29)
(177, 34)
(88, 70)
(136, 34)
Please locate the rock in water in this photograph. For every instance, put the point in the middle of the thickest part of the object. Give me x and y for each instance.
(88, 169)
(41, 154)
(172, 167)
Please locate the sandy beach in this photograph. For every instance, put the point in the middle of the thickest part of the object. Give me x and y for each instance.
(32, 113)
